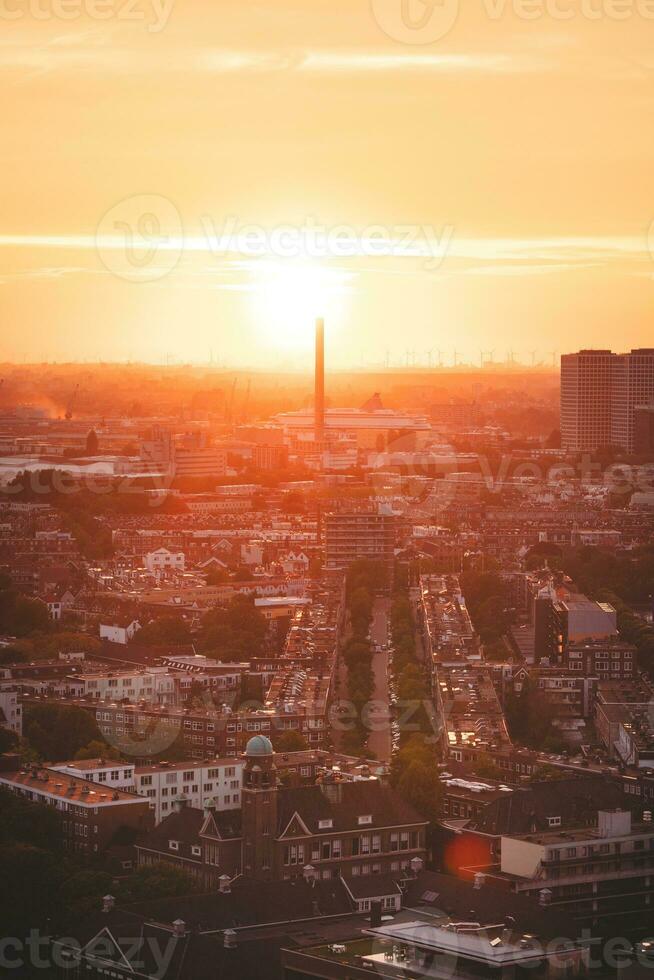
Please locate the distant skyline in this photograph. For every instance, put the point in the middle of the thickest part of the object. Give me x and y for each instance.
(486, 189)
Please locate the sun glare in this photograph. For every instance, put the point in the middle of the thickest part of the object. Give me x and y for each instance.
(288, 297)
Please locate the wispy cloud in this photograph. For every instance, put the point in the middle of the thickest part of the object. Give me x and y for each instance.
(70, 53)
(564, 248)
(227, 264)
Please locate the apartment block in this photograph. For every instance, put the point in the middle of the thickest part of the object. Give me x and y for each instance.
(600, 392)
(350, 537)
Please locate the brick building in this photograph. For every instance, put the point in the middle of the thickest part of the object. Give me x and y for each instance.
(91, 815)
(351, 829)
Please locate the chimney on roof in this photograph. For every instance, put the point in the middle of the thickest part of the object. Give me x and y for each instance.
(332, 789)
(309, 873)
(225, 884)
(319, 395)
(179, 928)
(416, 865)
(229, 938)
(108, 903)
(375, 913)
(179, 803)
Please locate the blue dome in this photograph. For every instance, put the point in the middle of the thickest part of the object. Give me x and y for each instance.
(259, 745)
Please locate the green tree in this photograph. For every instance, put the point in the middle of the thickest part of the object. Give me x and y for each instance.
(167, 630)
(415, 776)
(20, 616)
(58, 732)
(290, 741)
(25, 822)
(8, 740)
(530, 717)
(35, 875)
(234, 632)
(156, 881)
(80, 893)
(97, 750)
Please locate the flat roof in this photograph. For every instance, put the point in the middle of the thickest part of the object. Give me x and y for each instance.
(53, 784)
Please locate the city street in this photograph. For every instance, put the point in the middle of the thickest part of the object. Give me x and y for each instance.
(379, 742)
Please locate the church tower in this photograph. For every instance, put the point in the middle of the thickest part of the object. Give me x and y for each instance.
(259, 809)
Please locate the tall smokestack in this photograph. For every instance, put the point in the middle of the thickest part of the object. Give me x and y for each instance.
(319, 397)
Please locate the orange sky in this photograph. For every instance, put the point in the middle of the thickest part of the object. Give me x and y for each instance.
(487, 186)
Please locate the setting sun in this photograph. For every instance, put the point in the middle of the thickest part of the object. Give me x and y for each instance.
(289, 295)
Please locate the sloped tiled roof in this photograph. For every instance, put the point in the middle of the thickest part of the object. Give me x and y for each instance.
(185, 827)
(366, 798)
(182, 826)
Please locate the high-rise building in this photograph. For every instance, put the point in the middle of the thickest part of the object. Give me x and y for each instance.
(586, 400)
(558, 622)
(632, 385)
(644, 429)
(350, 537)
(600, 392)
